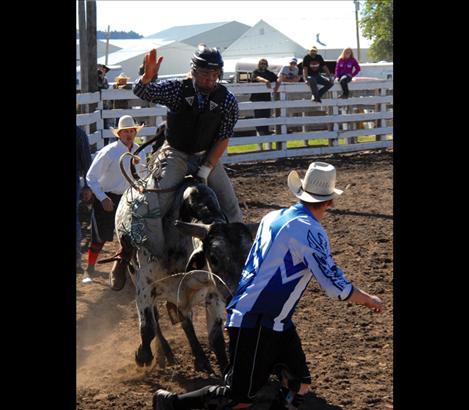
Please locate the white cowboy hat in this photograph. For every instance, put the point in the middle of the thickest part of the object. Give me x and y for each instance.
(318, 184)
(126, 122)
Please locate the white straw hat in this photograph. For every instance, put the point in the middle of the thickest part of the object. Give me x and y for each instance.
(126, 122)
(318, 184)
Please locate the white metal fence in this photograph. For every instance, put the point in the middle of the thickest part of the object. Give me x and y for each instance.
(298, 125)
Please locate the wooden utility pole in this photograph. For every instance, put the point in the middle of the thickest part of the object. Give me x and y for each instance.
(88, 52)
(108, 35)
(357, 7)
(92, 46)
(83, 43)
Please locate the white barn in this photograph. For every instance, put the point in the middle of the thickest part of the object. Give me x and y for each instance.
(263, 40)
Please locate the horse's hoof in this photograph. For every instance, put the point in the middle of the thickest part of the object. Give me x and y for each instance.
(143, 357)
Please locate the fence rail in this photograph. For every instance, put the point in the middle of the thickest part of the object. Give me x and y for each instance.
(298, 125)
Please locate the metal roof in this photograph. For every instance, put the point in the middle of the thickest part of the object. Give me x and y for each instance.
(179, 33)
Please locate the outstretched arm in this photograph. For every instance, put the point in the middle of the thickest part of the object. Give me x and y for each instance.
(360, 297)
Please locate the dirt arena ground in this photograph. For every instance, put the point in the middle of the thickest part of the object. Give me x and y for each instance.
(349, 349)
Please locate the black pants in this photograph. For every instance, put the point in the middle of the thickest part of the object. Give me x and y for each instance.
(102, 222)
(344, 80)
(264, 113)
(314, 80)
(255, 354)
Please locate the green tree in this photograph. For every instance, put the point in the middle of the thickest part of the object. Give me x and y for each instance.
(376, 24)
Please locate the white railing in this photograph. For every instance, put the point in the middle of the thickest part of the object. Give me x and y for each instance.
(338, 122)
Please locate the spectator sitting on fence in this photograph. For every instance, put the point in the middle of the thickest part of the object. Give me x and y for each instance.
(346, 68)
(262, 75)
(313, 64)
(105, 179)
(288, 74)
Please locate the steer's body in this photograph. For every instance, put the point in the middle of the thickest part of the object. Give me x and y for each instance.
(221, 248)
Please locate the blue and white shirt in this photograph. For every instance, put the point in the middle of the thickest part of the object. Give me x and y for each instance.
(290, 248)
(170, 93)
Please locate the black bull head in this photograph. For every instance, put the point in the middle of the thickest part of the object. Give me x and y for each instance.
(224, 247)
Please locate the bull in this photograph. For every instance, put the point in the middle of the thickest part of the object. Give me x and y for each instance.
(198, 241)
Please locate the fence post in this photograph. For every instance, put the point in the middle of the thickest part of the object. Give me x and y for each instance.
(100, 122)
(382, 122)
(283, 128)
(333, 142)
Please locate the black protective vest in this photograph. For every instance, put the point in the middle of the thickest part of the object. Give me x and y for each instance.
(190, 130)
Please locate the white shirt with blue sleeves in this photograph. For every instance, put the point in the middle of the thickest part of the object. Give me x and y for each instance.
(290, 248)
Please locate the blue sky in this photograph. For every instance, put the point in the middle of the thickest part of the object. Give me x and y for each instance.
(300, 20)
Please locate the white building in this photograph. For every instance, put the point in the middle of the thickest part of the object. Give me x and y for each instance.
(220, 35)
(176, 45)
(176, 57)
(263, 40)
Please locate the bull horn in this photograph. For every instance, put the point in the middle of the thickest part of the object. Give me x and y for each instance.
(253, 228)
(159, 137)
(197, 230)
(132, 182)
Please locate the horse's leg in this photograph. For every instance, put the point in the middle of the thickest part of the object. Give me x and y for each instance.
(164, 351)
(215, 311)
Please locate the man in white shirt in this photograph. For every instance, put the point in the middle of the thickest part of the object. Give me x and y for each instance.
(288, 73)
(105, 179)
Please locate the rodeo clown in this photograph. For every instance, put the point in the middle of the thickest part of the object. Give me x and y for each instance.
(200, 120)
(290, 247)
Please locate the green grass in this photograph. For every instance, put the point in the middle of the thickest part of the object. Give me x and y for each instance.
(240, 149)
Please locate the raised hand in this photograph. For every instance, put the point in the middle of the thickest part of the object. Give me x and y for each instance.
(151, 66)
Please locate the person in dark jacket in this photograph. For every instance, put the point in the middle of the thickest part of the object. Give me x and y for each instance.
(83, 157)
